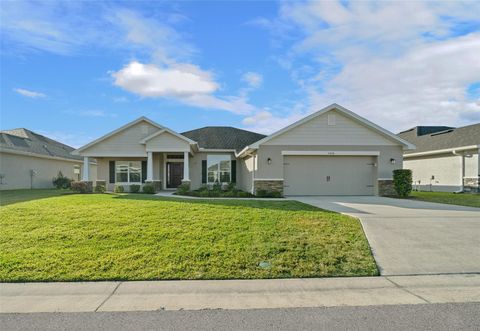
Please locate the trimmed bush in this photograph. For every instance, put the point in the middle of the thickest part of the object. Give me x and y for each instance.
(61, 181)
(80, 187)
(182, 189)
(149, 189)
(134, 188)
(100, 189)
(402, 182)
(119, 189)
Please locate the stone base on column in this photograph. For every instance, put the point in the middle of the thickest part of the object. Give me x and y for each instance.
(385, 188)
(471, 184)
(157, 184)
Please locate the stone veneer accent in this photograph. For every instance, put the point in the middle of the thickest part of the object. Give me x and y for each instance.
(268, 185)
(157, 184)
(471, 184)
(385, 188)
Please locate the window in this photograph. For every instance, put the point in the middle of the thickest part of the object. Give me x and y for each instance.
(218, 169)
(128, 171)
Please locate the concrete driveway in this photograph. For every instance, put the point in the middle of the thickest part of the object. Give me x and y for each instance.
(412, 237)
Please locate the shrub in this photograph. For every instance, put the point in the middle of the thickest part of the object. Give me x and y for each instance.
(402, 182)
(80, 187)
(243, 194)
(274, 194)
(261, 193)
(217, 187)
(100, 189)
(134, 188)
(183, 189)
(149, 189)
(119, 189)
(62, 181)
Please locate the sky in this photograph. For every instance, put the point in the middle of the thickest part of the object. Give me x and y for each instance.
(75, 71)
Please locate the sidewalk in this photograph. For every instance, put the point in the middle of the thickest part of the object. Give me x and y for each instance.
(237, 294)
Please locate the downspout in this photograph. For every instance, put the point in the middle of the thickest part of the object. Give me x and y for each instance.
(454, 152)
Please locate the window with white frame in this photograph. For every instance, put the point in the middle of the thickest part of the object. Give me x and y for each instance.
(128, 171)
(218, 169)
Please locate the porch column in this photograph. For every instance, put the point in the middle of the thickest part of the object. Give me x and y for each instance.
(149, 166)
(86, 169)
(186, 172)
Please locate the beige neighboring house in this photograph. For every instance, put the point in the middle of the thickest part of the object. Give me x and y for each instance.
(30, 160)
(446, 158)
(330, 152)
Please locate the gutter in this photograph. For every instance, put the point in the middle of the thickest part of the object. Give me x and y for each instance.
(442, 151)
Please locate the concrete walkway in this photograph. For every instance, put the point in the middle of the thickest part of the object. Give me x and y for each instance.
(237, 294)
(413, 237)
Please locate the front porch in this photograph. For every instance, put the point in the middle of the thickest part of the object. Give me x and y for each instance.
(164, 170)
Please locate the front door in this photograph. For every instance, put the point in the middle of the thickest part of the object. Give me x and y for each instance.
(174, 174)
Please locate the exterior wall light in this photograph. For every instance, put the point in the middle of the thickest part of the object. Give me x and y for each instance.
(269, 161)
(392, 161)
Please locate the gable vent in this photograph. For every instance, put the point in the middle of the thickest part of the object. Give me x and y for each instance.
(331, 119)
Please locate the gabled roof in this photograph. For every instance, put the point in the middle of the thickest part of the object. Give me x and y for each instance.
(445, 139)
(144, 140)
(28, 142)
(346, 112)
(223, 137)
(126, 126)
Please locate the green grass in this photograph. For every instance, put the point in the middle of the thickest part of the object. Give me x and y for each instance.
(139, 237)
(13, 196)
(463, 199)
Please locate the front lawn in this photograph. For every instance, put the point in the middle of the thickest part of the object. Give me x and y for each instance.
(139, 237)
(13, 196)
(462, 199)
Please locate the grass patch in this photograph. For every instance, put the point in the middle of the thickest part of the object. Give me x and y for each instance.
(461, 199)
(138, 237)
(13, 196)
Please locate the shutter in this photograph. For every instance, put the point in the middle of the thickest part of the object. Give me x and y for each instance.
(204, 171)
(234, 171)
(111, 166)
(144, 171)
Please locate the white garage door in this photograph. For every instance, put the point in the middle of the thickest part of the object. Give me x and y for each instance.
(329, 175)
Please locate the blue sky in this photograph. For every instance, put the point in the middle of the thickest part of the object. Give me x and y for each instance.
(77, 70)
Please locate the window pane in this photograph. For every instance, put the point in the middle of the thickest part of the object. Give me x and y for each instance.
(218, 168)
(121, 172)
(225, 177)
(211, 176)
(135, 172)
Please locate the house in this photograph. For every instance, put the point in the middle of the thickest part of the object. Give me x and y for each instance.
(446, 158)
(30, 160)
(330, 152)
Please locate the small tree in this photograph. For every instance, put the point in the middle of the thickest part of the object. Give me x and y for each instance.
(402, 182)
(62, 181)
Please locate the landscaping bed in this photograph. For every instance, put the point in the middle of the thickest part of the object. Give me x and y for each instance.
(140, 237)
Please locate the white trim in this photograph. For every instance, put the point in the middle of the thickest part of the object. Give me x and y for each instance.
(264, 179)
(86, 169)
(332, 153)
(144, 140)
(186, 165)
(9, 151)
(168, 150)
(213, 150)
(149, 167)
(105, 155)
(344, 111)
(442, 151)
(138, 120)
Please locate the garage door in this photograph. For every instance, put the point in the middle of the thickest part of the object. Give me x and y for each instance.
(329, 175)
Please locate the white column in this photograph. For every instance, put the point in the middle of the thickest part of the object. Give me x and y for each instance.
(186, 172)
(86, 169)
(149, 166)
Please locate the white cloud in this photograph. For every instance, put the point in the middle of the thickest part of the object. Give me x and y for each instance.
(149, 80)
(254, 79)
(395, 71)
(29, 93)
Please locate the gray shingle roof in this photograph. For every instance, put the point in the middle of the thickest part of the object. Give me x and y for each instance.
(450, 138)
(24, 140)
(223, 137)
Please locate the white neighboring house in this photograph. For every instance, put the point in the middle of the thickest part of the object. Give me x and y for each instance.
(30, 160)
(446, 158)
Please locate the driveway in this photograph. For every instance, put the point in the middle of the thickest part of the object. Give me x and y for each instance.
(413, 237)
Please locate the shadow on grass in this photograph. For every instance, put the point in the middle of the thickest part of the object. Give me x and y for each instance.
(286, 205)
(9, 197)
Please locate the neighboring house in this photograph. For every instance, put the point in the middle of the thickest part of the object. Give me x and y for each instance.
(331, 152)
(30, 160)
(446, 158)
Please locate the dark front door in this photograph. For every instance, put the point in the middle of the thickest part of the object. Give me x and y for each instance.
(174, 174)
